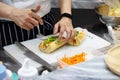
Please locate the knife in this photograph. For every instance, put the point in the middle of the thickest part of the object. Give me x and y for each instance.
(106, 48)
(35, 57)
(103, 50)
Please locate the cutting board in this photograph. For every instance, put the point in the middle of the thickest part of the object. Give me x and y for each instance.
(91, 42)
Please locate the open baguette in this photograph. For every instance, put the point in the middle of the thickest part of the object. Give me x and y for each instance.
(78, 38)
(47, 46)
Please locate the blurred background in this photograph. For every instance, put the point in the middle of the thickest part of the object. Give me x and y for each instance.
(81, 9)
(88, 4)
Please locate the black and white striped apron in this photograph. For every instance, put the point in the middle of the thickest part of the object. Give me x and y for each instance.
(10, 32)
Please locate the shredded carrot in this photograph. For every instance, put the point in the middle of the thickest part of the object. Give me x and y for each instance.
(74, 59)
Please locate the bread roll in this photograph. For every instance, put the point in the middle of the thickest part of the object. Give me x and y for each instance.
(78, 38)
(51, 44)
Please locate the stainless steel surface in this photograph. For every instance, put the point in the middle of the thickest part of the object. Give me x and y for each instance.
(102, 11)
(108, 37)
(35, 57)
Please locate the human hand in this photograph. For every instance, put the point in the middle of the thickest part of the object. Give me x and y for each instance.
(26, 18)
(65, 25)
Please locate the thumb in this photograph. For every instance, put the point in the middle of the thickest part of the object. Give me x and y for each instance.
(37, 8)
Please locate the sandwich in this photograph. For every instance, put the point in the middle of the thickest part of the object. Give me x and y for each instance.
(51, 44)
(77, 39)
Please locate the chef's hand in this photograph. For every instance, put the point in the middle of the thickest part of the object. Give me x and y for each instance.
(64, 25)
(26, 18)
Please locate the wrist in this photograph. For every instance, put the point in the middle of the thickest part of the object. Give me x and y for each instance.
(10, 13)
(67, 15)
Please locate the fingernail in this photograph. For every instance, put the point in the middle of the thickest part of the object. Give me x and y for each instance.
(41, 22)
(54, 32)
(59, 39)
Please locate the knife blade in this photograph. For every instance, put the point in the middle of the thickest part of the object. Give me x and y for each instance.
(35, 57)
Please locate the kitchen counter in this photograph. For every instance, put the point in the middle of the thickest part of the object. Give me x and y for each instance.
(95, 69)
(91, 23)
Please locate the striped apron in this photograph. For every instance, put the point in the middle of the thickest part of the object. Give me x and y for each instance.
(10, 32)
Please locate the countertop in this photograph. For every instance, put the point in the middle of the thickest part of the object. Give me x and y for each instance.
(90, 22)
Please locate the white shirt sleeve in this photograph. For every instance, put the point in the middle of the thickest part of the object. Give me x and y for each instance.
(31, 4)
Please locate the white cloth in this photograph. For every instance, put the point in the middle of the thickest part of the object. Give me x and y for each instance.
(31, 4)
(80, 4)
(95, 69)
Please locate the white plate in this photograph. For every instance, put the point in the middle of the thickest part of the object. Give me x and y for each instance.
(112, 59)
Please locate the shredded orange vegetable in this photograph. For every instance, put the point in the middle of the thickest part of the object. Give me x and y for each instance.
(74, 59)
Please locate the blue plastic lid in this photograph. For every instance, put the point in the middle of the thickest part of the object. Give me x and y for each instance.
(2, 72)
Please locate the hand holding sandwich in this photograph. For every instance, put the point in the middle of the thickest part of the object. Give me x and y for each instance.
(65, 25)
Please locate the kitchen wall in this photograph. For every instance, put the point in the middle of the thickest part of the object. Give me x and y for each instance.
(86, 4)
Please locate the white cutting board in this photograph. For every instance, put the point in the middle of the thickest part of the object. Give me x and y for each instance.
(91, 42)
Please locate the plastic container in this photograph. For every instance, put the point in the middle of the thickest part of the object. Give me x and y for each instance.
(2, 72)
(27, 72)
(5, 74)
